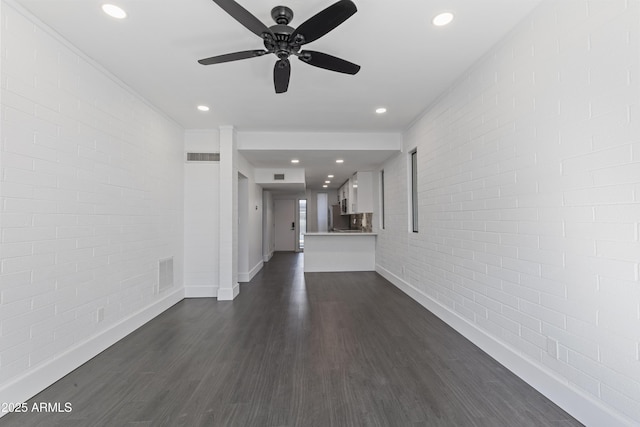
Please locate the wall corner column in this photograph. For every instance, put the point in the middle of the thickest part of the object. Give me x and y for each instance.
(228, 286)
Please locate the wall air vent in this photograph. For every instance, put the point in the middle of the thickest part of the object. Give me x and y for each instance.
(278, 177)
(203, 157)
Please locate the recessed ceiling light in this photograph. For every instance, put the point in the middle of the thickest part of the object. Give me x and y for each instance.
(339, 161)
(325, 186)
(203, 108)
(295, 161)
(381, 110)
(329, 176)
(443, 19)
(327, 182)
(114, 11)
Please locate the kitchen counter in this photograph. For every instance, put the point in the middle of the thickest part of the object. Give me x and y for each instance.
(340, 251)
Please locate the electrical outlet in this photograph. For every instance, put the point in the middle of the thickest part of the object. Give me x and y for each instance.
(552, 347)
(100, 314)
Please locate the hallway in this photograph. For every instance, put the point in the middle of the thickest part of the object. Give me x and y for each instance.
(321, 349)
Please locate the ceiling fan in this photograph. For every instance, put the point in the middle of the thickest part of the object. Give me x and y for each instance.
(284, 41)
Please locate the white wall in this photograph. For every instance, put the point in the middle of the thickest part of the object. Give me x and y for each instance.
(253, 224)
(268, 237)
(248, 140)
(228, 286)
(530, 207)
(243, 228)
(312, 206)
(291, 175)
(322, 212)
(92, 191)
(312, 210)
(294, 178)
(201, 216)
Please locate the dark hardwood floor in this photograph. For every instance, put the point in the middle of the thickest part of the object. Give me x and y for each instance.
(321, 349)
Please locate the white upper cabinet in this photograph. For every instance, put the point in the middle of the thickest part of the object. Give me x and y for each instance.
(362, 186)
(357, 194)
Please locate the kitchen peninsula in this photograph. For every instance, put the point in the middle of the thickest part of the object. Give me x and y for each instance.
(347, 250)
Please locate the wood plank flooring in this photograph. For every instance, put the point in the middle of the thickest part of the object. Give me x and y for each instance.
(321, 349)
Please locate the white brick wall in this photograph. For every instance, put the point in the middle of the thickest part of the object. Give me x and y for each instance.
(91, 193)
(529, 195)
(201, 207)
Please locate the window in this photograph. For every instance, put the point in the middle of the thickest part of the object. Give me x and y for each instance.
(414, 190)
(382, 199)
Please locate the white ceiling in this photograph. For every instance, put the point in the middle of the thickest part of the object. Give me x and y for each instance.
(406, 61)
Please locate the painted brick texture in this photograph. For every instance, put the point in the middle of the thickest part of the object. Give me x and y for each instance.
(201, 209)
(529, 197)
(91, 198)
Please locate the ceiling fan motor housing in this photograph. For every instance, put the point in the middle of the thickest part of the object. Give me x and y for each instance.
(281, 46)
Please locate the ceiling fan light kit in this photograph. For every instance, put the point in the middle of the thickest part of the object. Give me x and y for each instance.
(283, 41)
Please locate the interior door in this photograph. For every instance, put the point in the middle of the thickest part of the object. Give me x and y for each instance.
(285, 221)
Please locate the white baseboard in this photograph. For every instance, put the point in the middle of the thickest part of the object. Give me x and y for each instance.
(246, 277)
(228, 294)
(256, 268)
(580, 405)
(200, 291)
(267, 257)
(25, 387)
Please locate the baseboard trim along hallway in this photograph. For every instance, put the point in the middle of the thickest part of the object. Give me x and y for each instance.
(25, 387)
(578, 404)
(247, 276)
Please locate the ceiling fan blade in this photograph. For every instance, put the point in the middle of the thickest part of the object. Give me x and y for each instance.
(323, 22)
(281, 74)
(244, 17)
(328, 62)
(232, 56)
